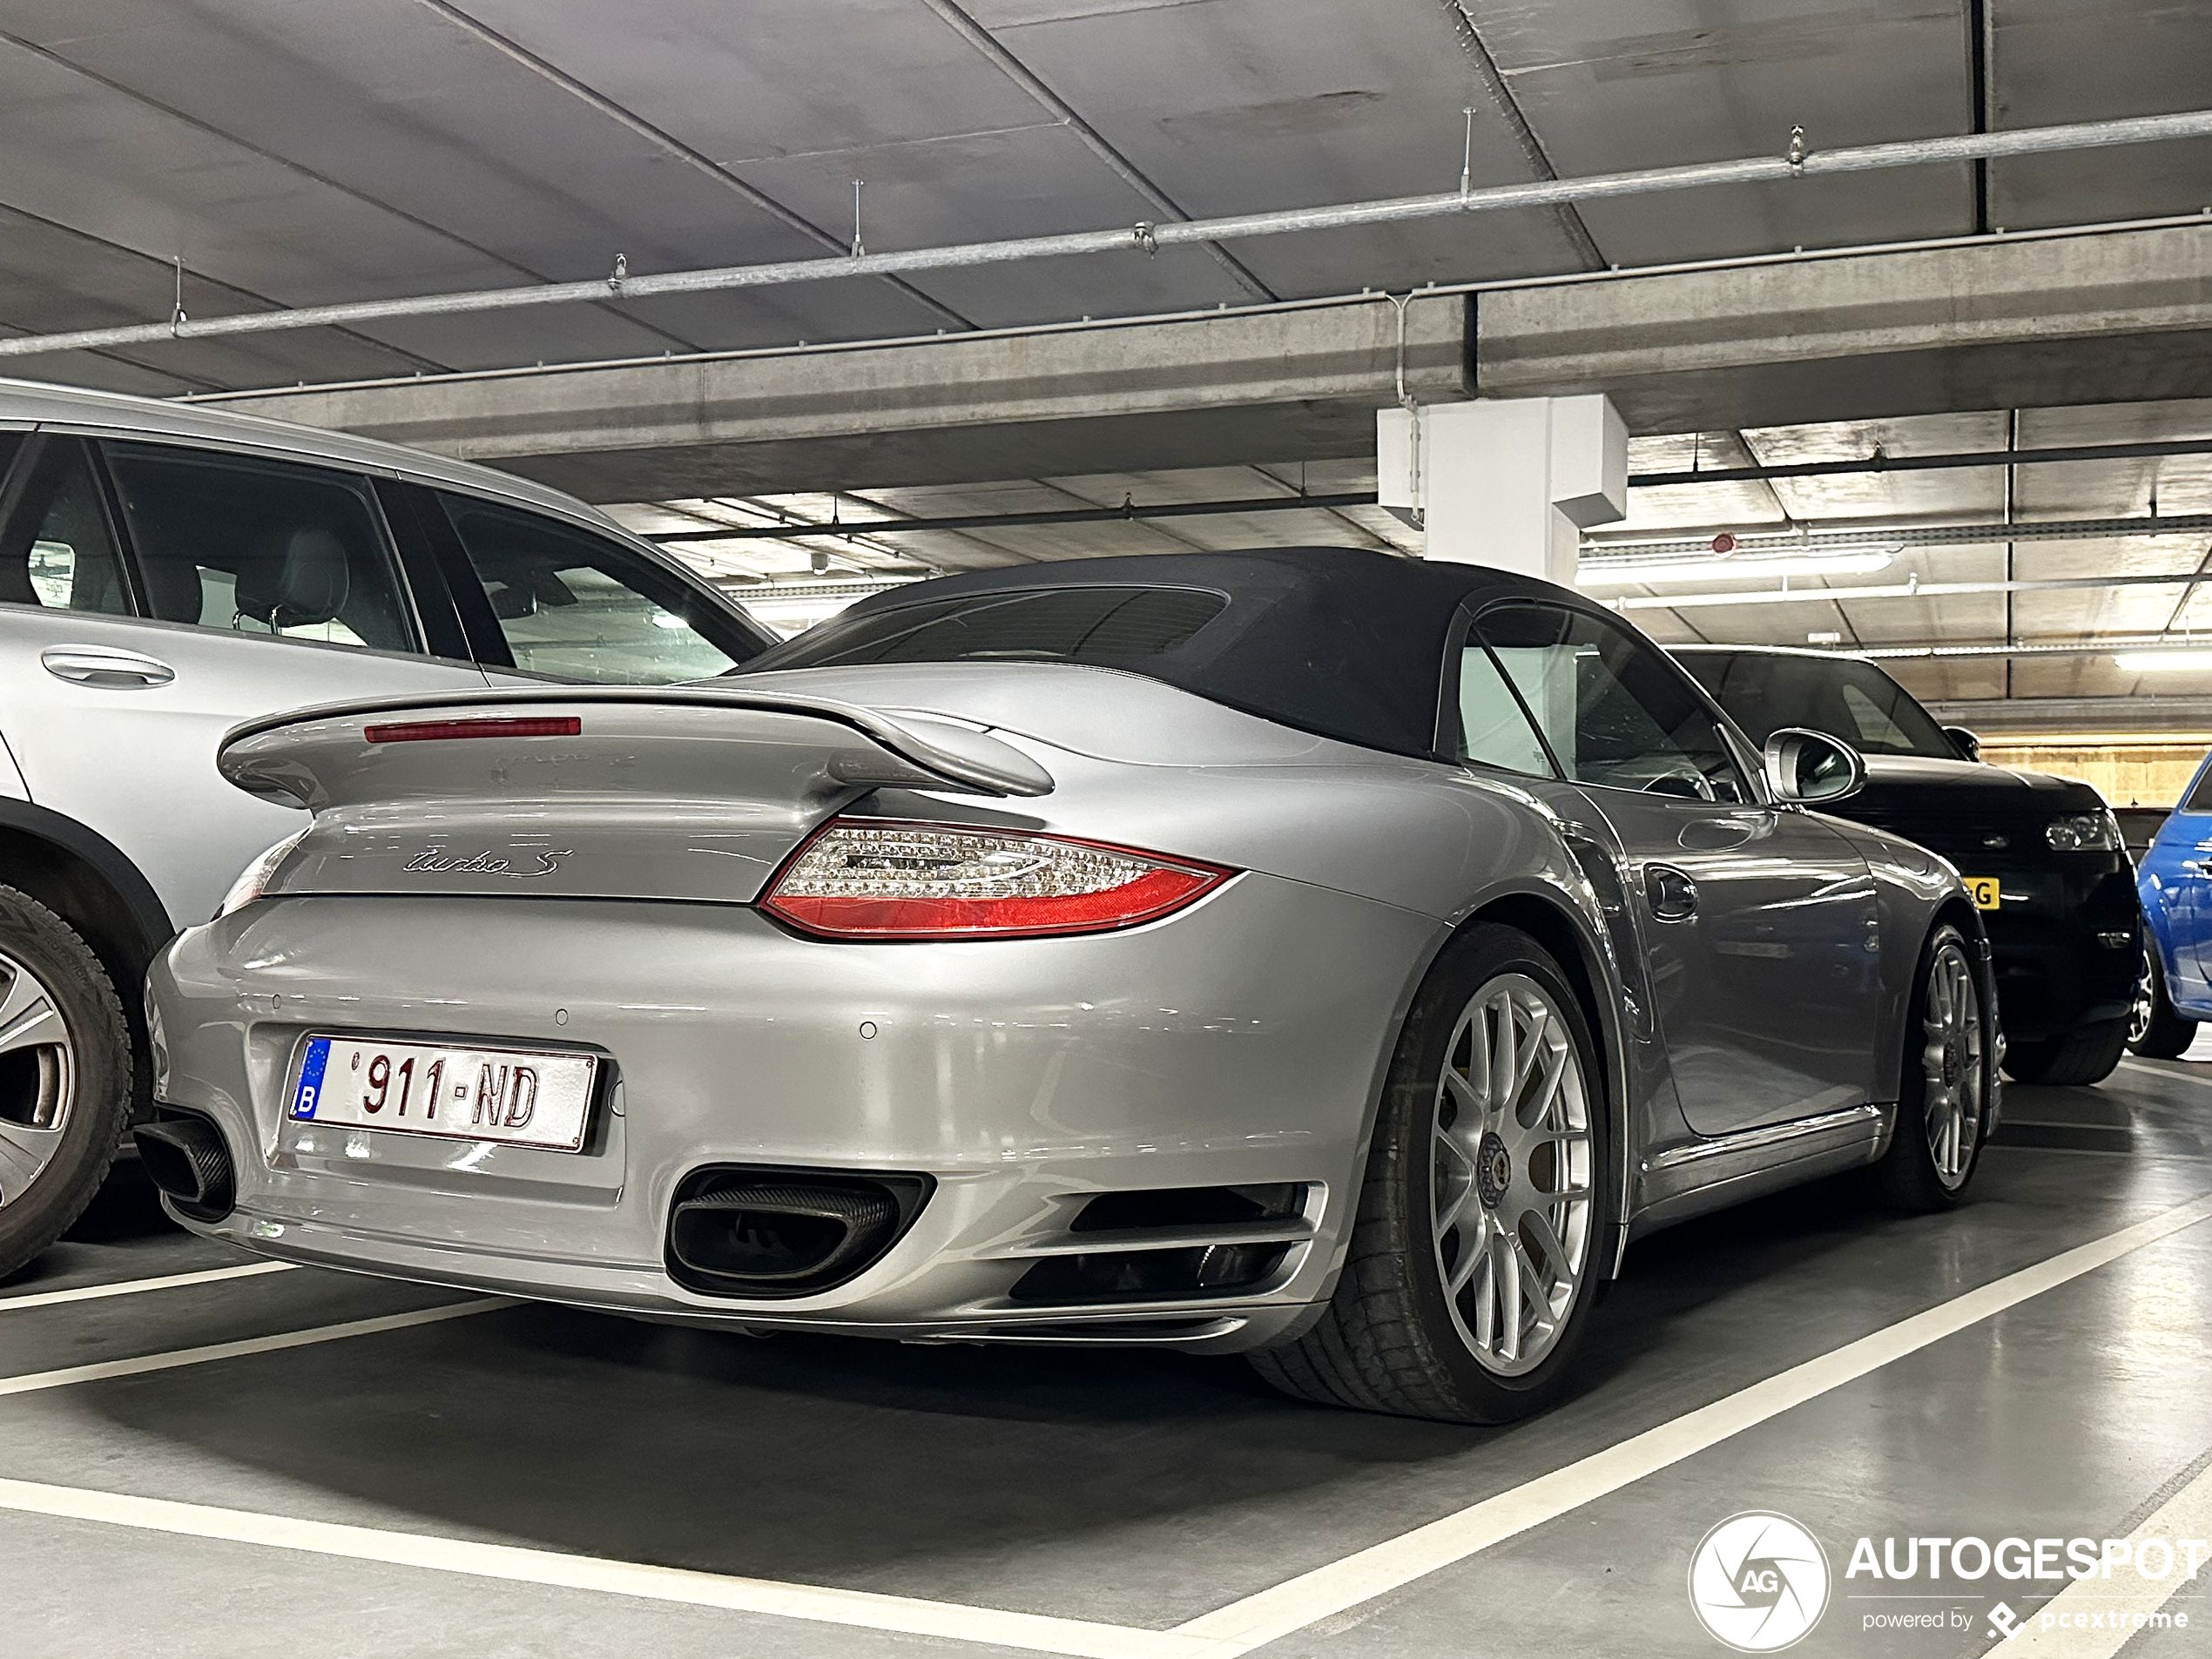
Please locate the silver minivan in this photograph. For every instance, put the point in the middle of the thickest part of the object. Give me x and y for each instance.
(168, 571)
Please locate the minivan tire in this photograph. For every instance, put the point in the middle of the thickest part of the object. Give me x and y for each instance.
(45, 1183)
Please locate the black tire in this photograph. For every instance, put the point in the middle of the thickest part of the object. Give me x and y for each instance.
(97, 1096)
(1389, 1341)
(1953, 1066)
(2085, 1054)
(2155, 1030)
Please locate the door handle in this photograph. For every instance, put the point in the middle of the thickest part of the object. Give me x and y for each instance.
(1673, 895)
(99, 665)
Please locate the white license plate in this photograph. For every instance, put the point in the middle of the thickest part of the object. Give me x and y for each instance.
(521, 1096)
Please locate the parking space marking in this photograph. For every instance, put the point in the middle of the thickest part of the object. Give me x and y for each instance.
(1034, 1631)
(2108, 1614)
(33, 1382)
(2161, 1071)
(1227, 1633)
(131, 1287)
(1271, 1614)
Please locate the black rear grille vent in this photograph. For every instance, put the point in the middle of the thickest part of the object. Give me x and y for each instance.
(754, 1231)
(1169, 1243)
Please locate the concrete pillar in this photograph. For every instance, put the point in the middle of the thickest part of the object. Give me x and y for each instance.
(1506, 482)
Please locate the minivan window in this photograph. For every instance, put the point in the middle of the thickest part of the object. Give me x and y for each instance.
(572, 605)
(57, 549)
(260, 547)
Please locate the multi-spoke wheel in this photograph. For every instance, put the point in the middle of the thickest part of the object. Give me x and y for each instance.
(1475, 1254)
(1945, 1083)
(2155, 1029)
(65, 1077)
(1513, 1174)
(36, 1075)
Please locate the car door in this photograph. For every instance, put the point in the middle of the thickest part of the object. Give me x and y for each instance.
(547, 598)
(2178, 868)
(151, 597)
(1758, 920)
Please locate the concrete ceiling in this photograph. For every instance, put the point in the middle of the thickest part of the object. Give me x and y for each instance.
(301, 153)
(266, 155)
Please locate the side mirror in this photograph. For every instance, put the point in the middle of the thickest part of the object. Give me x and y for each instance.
(1812, 768)
(1968, 745)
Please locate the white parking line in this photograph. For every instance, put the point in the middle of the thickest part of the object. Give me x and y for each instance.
(2171, 1076)
(1257, 1620)
(131, 1287)
(1224, 1634)
(33, 1382)
(2085, 1623)
(1031, 1631)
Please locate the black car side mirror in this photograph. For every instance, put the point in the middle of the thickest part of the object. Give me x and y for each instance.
(1968, 745)
(1812, 768)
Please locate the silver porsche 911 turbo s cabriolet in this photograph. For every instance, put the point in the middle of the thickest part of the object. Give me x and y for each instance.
(1310, 952)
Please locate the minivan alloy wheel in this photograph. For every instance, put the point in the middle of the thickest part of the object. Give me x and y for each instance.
(37, 1071)
(1952, 1062)
(1512, 1161)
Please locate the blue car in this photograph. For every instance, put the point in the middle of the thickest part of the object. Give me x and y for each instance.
(2174, 991)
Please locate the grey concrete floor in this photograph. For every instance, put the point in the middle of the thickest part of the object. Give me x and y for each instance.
(1135, 1490)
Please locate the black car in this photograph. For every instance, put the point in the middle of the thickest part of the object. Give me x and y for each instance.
(2041, 855)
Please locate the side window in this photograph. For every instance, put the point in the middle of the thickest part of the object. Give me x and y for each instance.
(1494, 731)
(1612, 709)
(260, 547)
(2200, 798)
(58, 550)
(577, 606)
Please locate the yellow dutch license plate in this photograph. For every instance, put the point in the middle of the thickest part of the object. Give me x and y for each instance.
(1985, 892)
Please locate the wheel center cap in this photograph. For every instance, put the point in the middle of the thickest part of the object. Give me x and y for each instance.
(1952, 1064)
(1492, 1170)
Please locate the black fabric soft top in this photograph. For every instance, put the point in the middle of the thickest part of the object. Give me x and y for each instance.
(1343, 641)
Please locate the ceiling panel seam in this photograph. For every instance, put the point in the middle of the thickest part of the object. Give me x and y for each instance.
(669, 144)
(222, 285)
(1020, 73)
(1495, 87)
(302, 169)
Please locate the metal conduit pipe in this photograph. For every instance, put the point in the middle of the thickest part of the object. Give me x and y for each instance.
(1896, 591)
(1621, 558)
(1146, 237)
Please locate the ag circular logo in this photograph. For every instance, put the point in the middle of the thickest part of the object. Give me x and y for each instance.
(1758, 1582)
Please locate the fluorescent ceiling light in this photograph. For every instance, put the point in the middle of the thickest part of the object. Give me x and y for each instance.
(2151, 661)
(1836, 562)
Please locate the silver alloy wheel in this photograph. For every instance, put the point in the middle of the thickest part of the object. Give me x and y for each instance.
(1512, 1166)
(2138, 1016)
(37, 1078)
(1950, 1062)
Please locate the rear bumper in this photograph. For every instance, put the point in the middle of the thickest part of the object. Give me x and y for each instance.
(1240, 1043)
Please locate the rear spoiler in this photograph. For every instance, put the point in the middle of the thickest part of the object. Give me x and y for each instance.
(315, 757)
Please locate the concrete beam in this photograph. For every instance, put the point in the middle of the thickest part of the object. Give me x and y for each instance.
(1280, 386)
(2115, 317)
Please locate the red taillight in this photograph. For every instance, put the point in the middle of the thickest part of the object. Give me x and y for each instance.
(880, 878)
(536, 725)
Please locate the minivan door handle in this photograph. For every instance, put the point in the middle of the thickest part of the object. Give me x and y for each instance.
(1673, 894)
(99, 665)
